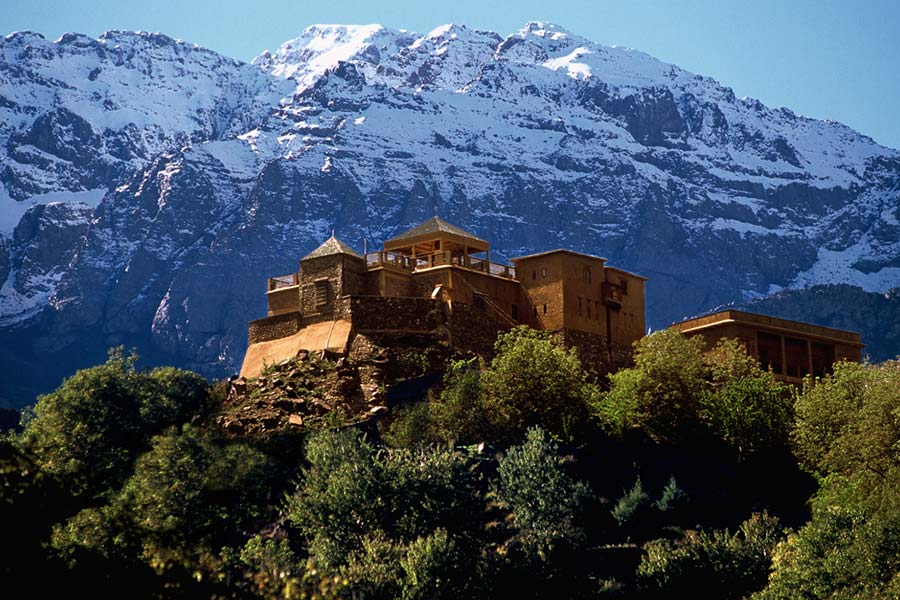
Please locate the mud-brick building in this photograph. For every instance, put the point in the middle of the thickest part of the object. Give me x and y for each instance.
(792, 349)
(440, 279)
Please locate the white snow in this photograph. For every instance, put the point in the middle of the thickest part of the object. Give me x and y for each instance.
(11, 211)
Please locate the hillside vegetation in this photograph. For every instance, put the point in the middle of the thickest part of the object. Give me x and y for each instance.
(690, 473)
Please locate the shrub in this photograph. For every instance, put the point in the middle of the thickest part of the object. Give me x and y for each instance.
(721, 564)
(542, 499)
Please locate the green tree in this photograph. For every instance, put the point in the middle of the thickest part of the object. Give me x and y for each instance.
(190, 494)
(543, 500)
(848, 432)
(431, 568)
(534, 380)
(840, 553)
(745, 406)
(630, 503)
(339, 498)
(660, 394)
(88, 432)
(715, 564)
(676, 391)
(460, 417)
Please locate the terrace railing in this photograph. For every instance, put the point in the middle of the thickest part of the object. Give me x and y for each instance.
(437, 259)
(283, 281)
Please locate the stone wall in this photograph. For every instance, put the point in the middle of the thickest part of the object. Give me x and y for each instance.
(377, 313)
(472, 329)
(328, 268)
(596, 352)
(272, 328)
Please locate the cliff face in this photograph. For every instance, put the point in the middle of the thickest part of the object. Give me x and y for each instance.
(189, 178)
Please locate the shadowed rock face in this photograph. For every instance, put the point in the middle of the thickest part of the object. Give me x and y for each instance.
(215, 174)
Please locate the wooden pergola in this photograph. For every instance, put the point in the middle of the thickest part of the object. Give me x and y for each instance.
(436, 235)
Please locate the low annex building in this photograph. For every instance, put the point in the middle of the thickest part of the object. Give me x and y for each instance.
(792, 349)
(439, 278)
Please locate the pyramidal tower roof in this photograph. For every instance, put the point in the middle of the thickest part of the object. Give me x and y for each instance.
(434, 225)
(331, 246)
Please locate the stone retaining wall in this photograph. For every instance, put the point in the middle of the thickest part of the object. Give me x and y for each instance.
(596, 352)
(376, 313)
(272, 328)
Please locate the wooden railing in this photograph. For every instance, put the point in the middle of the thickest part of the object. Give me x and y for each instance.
(283, 281)
(392, 259)
(438, 259)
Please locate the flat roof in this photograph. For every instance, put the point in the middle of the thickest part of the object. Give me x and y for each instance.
(556, 251)
(784, 325)
(582, 255)
(624, 271)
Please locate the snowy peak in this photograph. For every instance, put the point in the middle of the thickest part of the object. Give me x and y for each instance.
(449, 57)
(321, 47)
(556, 48)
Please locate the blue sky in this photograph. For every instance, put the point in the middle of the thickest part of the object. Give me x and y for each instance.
(823, 59)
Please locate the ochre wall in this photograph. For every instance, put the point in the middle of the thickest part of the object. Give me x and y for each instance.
(627, 324)
(542, 281)
(589, 290)
(747, 333)
(283, 300)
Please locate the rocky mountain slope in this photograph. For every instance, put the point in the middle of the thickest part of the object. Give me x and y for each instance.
(176, 180)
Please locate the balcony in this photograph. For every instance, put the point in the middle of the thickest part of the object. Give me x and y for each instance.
(612, 295)
(438, 259)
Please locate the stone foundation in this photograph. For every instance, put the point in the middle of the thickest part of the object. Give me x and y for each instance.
(379, 313)
(596, 352)
(273, 328)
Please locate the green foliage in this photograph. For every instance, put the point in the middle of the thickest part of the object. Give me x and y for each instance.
(88, 432)
(848, 430)
(839, 554)
(187, 494)
(374, 569)
(272, 555)
(630, 503)
(674, 392)
(429, 567)
(543, 500)
(721, 564)
(750, 413)
(340, 496)
(534, 380)
(672, 496)
(413, 426)
(461, 417)
(427, 490)
(660, 394)
(384, 519)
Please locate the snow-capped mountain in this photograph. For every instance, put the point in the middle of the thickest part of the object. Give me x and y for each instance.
(196, 176)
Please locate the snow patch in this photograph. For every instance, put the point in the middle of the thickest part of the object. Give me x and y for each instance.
(11, 211)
